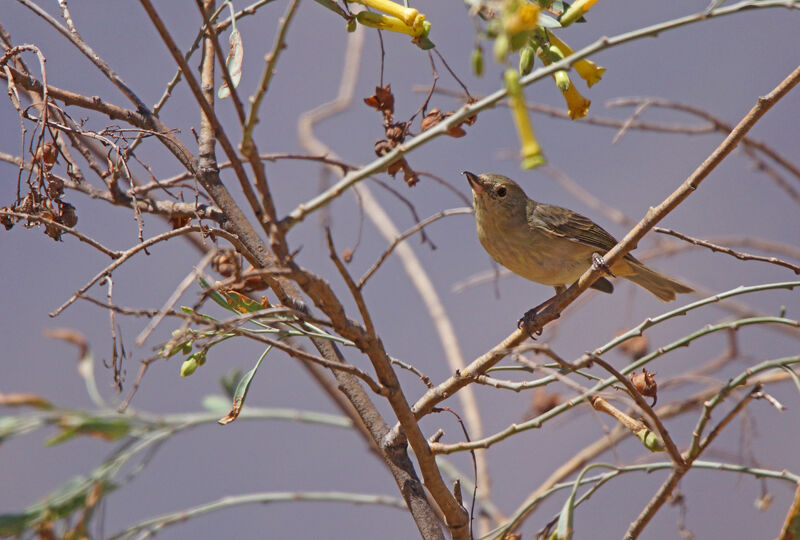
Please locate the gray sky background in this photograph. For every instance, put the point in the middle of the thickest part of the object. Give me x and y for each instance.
(721, 66)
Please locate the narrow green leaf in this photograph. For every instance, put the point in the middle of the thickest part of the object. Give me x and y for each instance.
(333, 6)
(72, 427)
(241, 391)
(216, 403)
(213, 294)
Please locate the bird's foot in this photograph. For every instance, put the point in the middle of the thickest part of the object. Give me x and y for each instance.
(529, 323)
(599, 262)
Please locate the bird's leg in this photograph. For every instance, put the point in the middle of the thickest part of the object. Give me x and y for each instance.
(528, 320)
(599, 262)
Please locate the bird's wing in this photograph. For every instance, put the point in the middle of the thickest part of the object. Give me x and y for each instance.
(565, 223)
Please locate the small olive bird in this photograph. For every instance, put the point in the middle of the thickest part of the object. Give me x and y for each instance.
(550, 244)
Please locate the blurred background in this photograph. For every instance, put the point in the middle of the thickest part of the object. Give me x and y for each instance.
(720, 66)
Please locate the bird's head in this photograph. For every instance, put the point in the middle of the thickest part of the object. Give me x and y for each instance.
(496, 197)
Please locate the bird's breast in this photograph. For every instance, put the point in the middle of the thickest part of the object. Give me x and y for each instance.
(533, 254)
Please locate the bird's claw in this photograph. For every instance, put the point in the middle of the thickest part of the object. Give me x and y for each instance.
(530, 324)
(599, 262)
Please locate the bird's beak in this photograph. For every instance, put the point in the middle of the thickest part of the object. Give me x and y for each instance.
(474, 182)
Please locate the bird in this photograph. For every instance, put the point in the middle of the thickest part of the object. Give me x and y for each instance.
(549, 244)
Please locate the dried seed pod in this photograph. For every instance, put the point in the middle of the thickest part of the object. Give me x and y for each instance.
(47, 154)
(68, 216)
(645, 383)
(226, 263)
(55, 187)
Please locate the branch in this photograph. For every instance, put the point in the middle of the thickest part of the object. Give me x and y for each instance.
(656, 214)
(728, 251)
(378, 165)
(153, 525)
(125, 255)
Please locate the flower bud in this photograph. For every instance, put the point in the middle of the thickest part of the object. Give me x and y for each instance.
(477, 62)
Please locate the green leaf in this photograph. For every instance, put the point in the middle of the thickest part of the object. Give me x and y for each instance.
(547, 21)
(241, 392)
(333, 6)
(216, 403)
(213, 293)
(228, 382)
(564, 528)
(73, 426)
(69, 497)
(15, 524)
(231, 300)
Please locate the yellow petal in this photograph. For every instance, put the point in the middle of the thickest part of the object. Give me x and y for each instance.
(407, 15)
(386, 22)
(577, 105)
(589, 71)
(530, 152)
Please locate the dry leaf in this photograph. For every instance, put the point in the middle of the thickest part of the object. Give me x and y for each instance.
(234, 64)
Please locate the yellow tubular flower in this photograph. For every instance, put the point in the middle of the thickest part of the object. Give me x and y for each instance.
(531, 153)
(387, 22)
(587, 70)
(577, 105)
(407, 15)
(576, 11)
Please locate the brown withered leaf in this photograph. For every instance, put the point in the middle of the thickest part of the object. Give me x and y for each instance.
(456, 131)
(409, 175)
(635, 347)
(24, 400)
(7, 221)
(68, 216)
(435, 116)
(396, 166)
(70, 336)
(544, 400)
(382, 100)
(55, 187)
(240, 302)
(234, 412)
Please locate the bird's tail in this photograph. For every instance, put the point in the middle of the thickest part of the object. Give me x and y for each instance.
(661, 286)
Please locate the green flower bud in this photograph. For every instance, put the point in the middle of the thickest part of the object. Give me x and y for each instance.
(477, 62)
(351, 25)
(562, 80)
(650, 440)
(517, 41)
(188, 367)
(193, 362)
(526, 57)
(501, 47)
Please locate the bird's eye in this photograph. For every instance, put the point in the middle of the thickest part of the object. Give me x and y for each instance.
(501, 191)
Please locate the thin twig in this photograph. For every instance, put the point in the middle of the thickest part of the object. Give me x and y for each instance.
(419, 226)
(672, 449)
(378, 165)
(125, 255)
(722, 249)
(63, 228)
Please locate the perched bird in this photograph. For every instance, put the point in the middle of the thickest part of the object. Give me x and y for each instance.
(550, 244)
